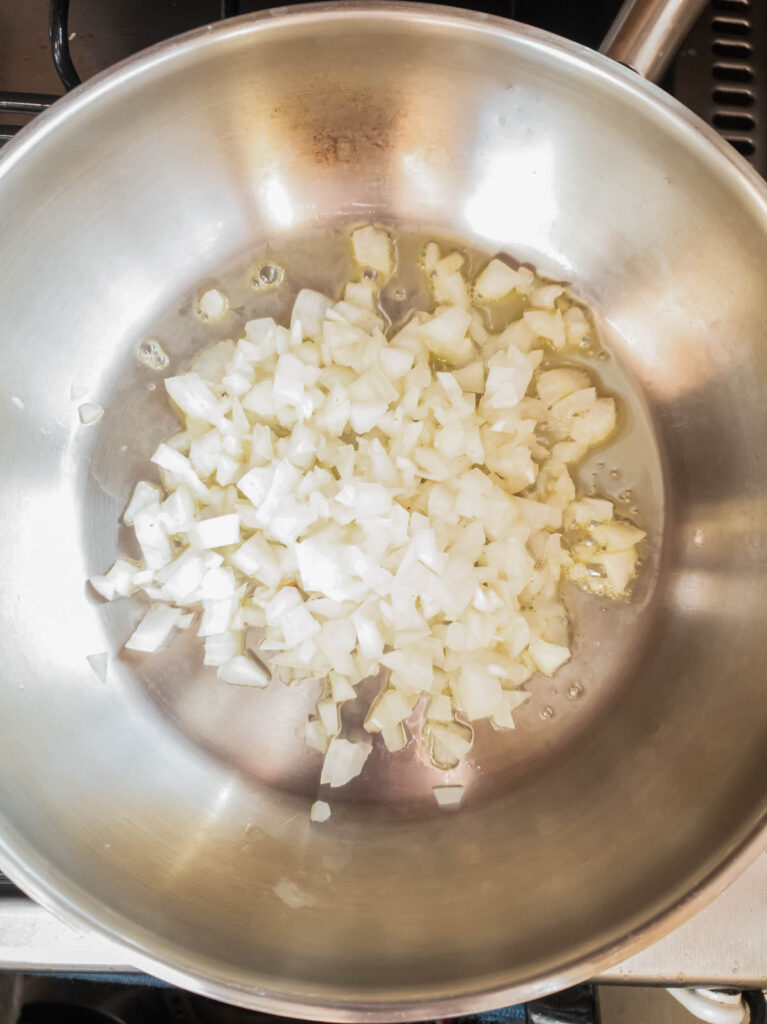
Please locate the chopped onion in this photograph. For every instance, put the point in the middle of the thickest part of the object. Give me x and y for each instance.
(549, 325)
(221, 648)
(90, 413)
(498, 279)
(382, 500)
(320, 811)
(154, 629)
(343, 761)
(119, 581)
(212, 304)
(373, 248)
(99, 663)
(448, 796)
(220, 531)
(144, 494)
(243, 671)
(548, 657)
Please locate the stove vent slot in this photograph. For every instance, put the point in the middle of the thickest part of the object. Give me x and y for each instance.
(733, 92)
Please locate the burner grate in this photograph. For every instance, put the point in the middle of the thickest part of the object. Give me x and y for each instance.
(30, 104)
(717, 74)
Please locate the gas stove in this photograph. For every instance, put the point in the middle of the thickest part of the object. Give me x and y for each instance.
(46, 49)
(719, 72)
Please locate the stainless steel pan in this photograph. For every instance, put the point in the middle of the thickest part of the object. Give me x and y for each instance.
(171, 812)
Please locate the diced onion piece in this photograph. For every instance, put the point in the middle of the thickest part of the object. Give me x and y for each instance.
(255, 558)
(343, 761)
(143, 494)
(177, 511)
(471, 377)
(320, 811)
(217, 532)
(586, 511)
(553, 385)
(119, 581)
(315, 735)
(498, 279)
(373, 248)
(617, 536)
(387, 711)
(510, 700)
(341, 689)
(182, 577)
(152, 538)
(448, 283)
(479, 693)
(448, 796)
(328, 714)
(309, 310)
(618, 567)
(455, 738)
(396, 362)
(90, 413)
(506, 385)
(193, 396)
(547, 325)
(445, 335)
(178, 464)
(221, 648)
(99, 663)
(576, 326)
(243, 671)
(320, 569)
(394, 737)
(361, 293)
(548, 657)
(440, 709)
(546, 295)
(298, 625)
(217, 615)
(154, 629)
(369, 636)
(596, 425)
(213, 304)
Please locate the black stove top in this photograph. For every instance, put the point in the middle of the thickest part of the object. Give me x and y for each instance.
(46, 48)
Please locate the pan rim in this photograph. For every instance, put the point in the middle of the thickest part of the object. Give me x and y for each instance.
(23, 864)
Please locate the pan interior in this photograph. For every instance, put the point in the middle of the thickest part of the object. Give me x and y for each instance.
(260, 733)
(173, 810)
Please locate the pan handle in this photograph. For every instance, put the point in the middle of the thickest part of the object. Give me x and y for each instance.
(646, 33)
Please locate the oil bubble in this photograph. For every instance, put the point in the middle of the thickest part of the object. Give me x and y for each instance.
(152, 354)
(265, 277)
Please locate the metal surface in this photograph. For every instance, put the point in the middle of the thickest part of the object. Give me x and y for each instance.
(184, 829)
(724, 945)
(647, 33)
